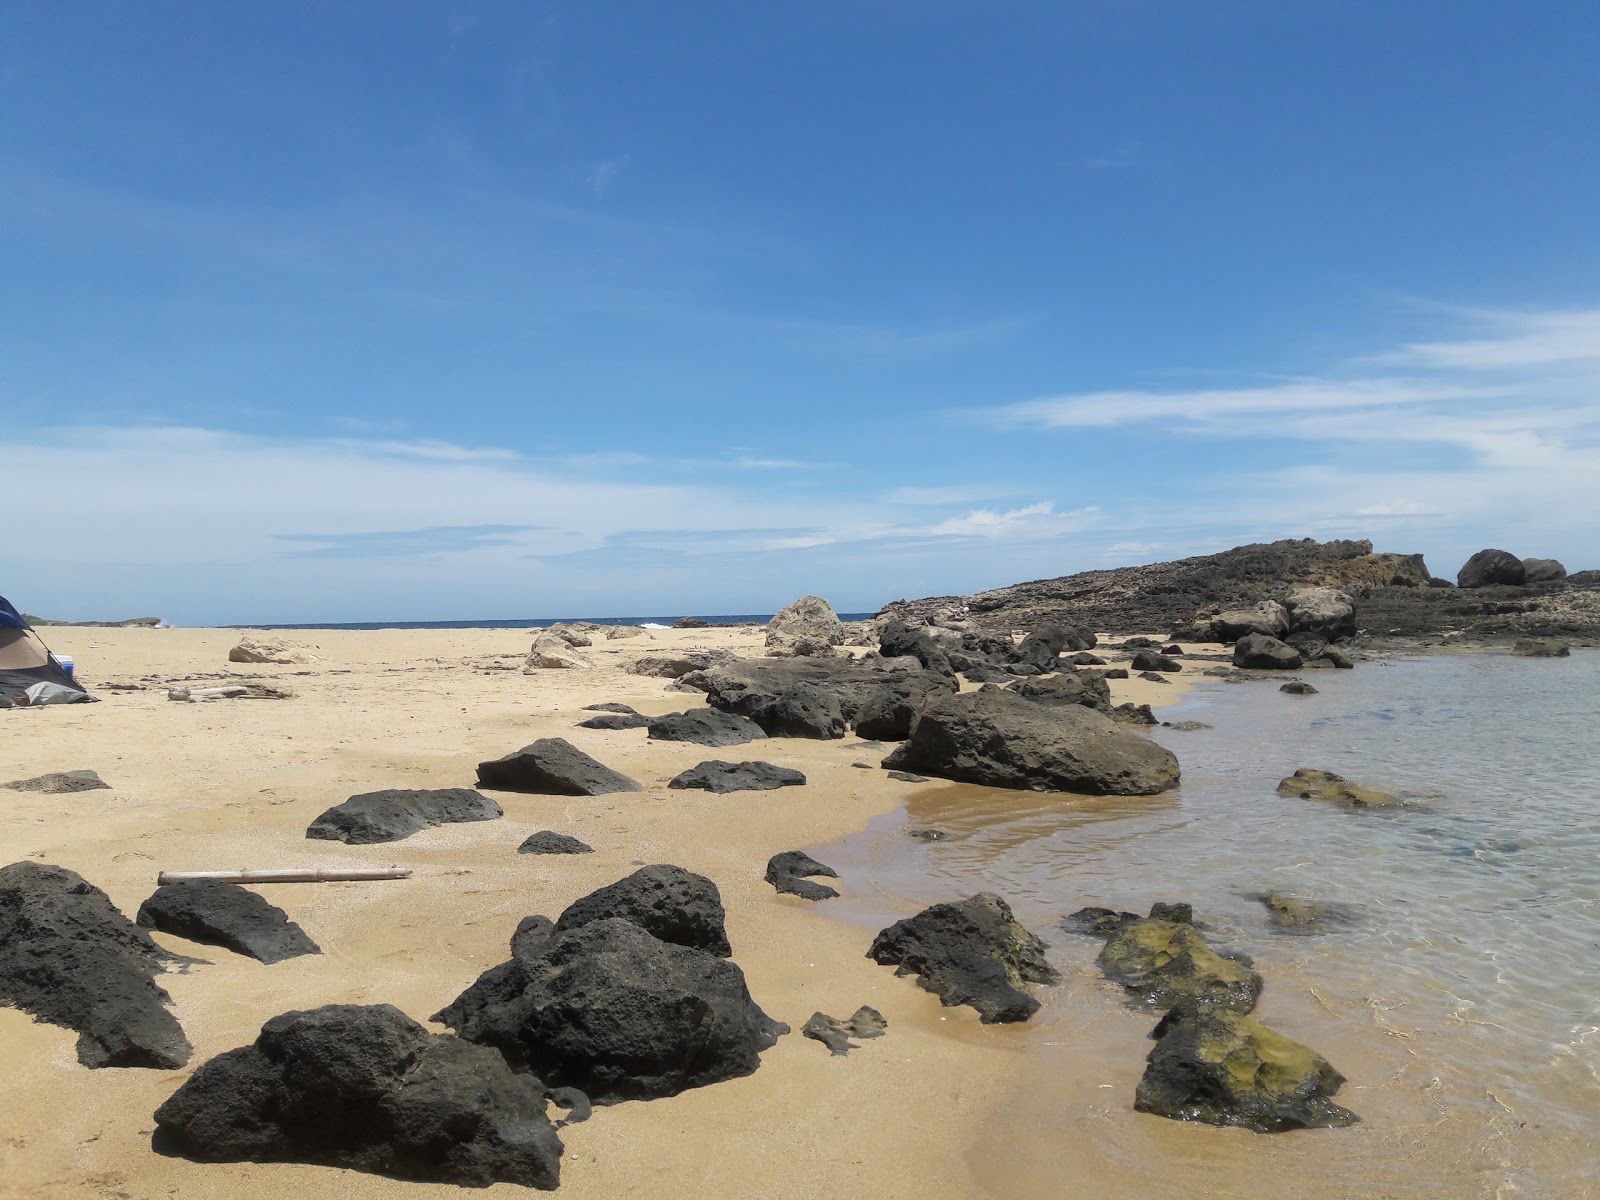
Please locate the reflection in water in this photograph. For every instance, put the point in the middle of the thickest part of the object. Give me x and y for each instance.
(1459, 1000)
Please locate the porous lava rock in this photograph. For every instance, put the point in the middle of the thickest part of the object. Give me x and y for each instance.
(972, 952)
(1489, 568)
(1228, 625)
(714, 775)
(1225, 1068)
(674, 905)
(611, 706)
(1259, 652)
(674, 664)
(1310, 784)
(227, 915)
(810, 697)
(58, 783)
(1168, 963)
(1045, 643)
(367, 1088)
(615, 721)
(396, 813)
(705, 727)
(999, 739)
(547, 841)
(1069, 687)
(554, 767)
(886, 714)
(69, 958)
(788, 871)
(615, 1012)
(866, 1022)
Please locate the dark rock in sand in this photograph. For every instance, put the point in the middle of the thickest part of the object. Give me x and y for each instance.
(367, 1088)
(615, 721)
(225, 914)
(396, 813)
(1134, 714)
(887, 714)
(1139, 643)
(908, 777)
(1084, 659)
(1525, 649)
(1069, 687)
(983, 673)
(999, 739)
(1488, 568)
(1114, 673)
(1168, 963)
(617, 1013)
(787, 873)
(1152, 677)
(1173, 651)
(1224, 1068)
(1298, 687)
(553, 767)
(547, 841)
(973, 952)
(1258, 652)
(611, 706)
(691, 623)
(58, 783)
(1149, 660)
(836, 1034)
(705, 727)
(1310, 784)
(1543, 570)
(714, 775)
(69, 958)
(811, 697)
(672, 904)
(673, 664)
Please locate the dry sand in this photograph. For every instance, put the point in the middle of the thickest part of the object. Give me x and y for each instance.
(234, 783)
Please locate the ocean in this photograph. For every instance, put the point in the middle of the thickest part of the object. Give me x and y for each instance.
(539, 622)
(1460, 994)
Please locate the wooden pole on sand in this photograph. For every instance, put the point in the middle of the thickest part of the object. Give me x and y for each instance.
(292, 875)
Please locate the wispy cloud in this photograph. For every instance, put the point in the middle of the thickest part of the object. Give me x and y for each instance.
(440, 539)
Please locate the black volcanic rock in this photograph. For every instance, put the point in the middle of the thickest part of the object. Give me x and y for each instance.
(58, 783)
(555, 767)
(705, 727)
(672, 904)
(610, 720)
(1150, 660)
(225, 914)
(714, 775)
(787, 873)
(547, 841)
(1543, 570)
(396, 813)
(69, 958)
(1258, 652)
(1489, 567)
(1069, 687)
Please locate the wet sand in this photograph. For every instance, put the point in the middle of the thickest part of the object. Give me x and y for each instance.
(234, 783)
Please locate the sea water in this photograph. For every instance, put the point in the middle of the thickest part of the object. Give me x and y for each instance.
(1459, 993)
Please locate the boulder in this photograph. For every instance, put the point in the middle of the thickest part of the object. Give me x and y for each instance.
(1527, 648)
(552, 651)
(908, 777)
(225, 914)
(1229, 625)
(58, 783)
(807, 627)
(1488, 568)
(616, 1012)
(1225, 1068)
(1337, 657)
(553, 767)
(615, 721)
(691, 623)
(547, 841)
(618, 632)
(367, 1088)
(886, 715)
(573, 635)
(1000, 739)
(396, 813)
(1322, 611)
(1259, 652)
(1151, 660)
(714, 775)
(1543, 570)
(1134, 714)
(1168, 963)
(674, 905)
(972, 952)
(898, 640)
(1310, 784)
(1084, 659)
(705, 727)
(809, 697)
(836, 1034)
(1140, 643)
(268, 650)
(1045, 644)
(788, 871)
(1069, 687)
(674, 664)
(69, 958)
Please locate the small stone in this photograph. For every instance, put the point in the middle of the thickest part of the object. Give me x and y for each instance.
(549, 842)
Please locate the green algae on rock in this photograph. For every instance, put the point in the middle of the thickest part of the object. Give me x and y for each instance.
(1170, 964)
(1310, 784)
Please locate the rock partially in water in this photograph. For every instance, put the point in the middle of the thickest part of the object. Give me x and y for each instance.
(1098, 922)
(788, 871)
(1134, 714)
(1298, 687)
(835, 1034)
(367, 1088)
(1225, 1068)
(58, 783)
(69, 958)
(1527, 648)
(1168, 963)
(1291, 912)
(553, 767)
(1185, 725)
(973, 952)
(928, 835)
(396, 813)
(1259, 652)
(225, 914)
(705, 727)
(547, 841)
(908, 777)
(714, 775)
(1310, 784)
(674, 905)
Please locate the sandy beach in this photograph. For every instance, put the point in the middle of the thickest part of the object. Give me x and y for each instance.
(234, 783)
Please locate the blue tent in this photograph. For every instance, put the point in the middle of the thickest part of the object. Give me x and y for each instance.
(26, 661)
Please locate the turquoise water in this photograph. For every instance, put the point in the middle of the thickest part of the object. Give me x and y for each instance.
(1461, 997)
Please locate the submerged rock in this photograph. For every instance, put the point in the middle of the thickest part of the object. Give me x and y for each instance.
(714, 775)
(58, 783)
(69, 958)
(1225, 1068)
(547, 841)
(1168, 963)
(835, 1034)
(225, 914)
(705, 727)
(673, 904)
(1298, 687)
(396, 813)
(972, 952)
(1299, 914)
(787, 873)
(553, 766)
(367, 1088)
(1310, 784)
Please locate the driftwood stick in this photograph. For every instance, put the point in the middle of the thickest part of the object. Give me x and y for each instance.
(291, 875)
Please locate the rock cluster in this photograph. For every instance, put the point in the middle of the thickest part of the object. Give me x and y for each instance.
(864, 1023)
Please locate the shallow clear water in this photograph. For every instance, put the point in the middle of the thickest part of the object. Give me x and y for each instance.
(1461, 998)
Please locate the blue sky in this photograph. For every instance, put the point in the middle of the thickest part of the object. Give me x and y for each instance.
(346, 311)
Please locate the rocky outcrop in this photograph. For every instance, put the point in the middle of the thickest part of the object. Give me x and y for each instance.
(547, 841)
(1225, 1068)
(674, 905)
(557, 649)
(714, 775)
(59, 783)
(788, 872)
(1487, 568)
(1217, 624)
(553, 767)
(705, 727)
(674, 664)
(1310, 784)
(691, 623)
(1527, 648)
(808, 627)
(396, 813)
(1258, 652)
(369, 1089)
(69, 958)
(1168, 963)
(225, 914)
(999, 739)
(616, 1012)
(886, 715)
(973, 952)
(836, 1034)
(1044, 645)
